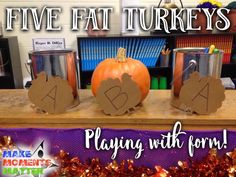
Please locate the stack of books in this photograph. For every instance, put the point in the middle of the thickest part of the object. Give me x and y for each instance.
(95, 50)
(223, 42)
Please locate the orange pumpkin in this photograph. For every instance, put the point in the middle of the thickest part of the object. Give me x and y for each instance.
(116, 67)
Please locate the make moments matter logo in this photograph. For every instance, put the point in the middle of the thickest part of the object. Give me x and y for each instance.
(27, 162)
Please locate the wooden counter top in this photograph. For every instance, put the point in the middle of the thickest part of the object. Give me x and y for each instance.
(155, 114)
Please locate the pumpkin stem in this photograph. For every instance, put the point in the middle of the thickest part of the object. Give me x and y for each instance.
(121, 55)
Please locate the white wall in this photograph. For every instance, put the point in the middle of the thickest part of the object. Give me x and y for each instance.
(25, 38)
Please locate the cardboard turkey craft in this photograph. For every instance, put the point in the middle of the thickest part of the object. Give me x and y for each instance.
(202, 95)
(52, 95)
(117, 97)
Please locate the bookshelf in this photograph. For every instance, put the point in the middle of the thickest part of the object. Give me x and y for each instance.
(172, 41)
(10, 66)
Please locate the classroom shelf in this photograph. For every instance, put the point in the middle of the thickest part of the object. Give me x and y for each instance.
(5, 75)
(228, 70)
(12, 65)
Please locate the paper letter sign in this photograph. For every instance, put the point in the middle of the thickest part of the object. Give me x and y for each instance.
(202, 95)
(116, 97)
(52, 95)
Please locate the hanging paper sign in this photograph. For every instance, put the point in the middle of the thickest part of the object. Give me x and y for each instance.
(48, 44)
(203, 95)
(117, 97)
(52, 95)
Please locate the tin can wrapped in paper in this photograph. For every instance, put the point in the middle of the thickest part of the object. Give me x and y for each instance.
(188, 60)
(56, 63)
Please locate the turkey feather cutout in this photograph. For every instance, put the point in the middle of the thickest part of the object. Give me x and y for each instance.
(52, 95)
(202, 95)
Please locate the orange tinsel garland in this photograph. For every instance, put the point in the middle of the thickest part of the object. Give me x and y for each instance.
(211, 166)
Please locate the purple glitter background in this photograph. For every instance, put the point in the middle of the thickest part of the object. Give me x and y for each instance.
(73, 141)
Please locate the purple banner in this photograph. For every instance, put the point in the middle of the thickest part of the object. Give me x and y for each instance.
(73, 141)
